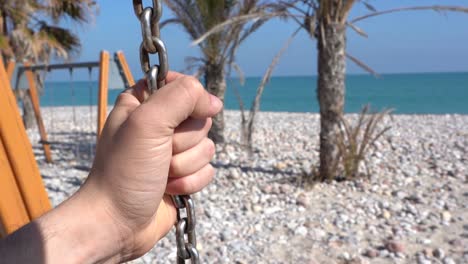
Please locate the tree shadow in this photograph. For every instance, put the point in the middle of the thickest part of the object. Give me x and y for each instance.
(289, 177)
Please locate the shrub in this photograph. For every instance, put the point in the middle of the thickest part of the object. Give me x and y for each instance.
(354, 142)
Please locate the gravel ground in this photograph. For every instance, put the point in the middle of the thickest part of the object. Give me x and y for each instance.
(413, 209)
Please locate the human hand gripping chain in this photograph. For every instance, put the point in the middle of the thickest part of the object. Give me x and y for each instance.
(154, 146)
(165, 133)
(148, 151)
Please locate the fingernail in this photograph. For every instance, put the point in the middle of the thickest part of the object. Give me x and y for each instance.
(215, 102)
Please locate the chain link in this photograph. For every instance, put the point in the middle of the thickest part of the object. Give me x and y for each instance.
(156, 78)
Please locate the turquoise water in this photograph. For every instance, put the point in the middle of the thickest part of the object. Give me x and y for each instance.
(424, 93)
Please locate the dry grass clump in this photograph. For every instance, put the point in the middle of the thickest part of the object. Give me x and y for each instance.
(355, 140)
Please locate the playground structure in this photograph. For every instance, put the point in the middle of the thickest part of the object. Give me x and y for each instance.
(22, 193)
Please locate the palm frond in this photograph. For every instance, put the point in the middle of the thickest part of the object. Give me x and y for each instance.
(362, 65)
(169, 21)
(369, 6)
(437, 8)
(234, 20)
(357, 30)
(239, 72)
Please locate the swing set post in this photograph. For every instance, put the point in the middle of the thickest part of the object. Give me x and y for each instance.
(10, 69)
(127, 74)
(103, 91)
(18, 150)
(13, 214)
(37, 112)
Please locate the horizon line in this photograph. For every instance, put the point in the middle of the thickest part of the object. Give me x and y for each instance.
(315, 75)
(360, 73)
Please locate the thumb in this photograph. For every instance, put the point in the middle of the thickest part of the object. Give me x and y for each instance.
(175, 102)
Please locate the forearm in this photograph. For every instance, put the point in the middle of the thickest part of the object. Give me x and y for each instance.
(74, 232)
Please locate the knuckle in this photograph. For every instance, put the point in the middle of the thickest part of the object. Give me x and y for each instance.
(174, 166)
(192, 85)
(176, 145)
(211, 171)
(209, 123)
(127, 102)
(124, 99)
(193, 82)
(210, 147)
(187, 186)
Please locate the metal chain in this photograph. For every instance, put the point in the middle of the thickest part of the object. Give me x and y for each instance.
(156, 78)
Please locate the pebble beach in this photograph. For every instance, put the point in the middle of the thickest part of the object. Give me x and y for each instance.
(412, 209)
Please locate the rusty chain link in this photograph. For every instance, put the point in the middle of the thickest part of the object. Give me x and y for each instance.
(156, 78)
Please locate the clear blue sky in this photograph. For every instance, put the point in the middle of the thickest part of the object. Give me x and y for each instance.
(423, 41)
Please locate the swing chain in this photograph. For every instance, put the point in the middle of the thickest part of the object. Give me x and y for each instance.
(156, 78)
(149, 20)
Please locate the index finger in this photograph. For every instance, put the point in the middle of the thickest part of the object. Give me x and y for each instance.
(140, 89)
(172, 75)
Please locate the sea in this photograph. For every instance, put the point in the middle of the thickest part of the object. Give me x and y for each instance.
(409, 93)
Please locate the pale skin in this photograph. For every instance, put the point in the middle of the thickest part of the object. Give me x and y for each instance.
(147, 152)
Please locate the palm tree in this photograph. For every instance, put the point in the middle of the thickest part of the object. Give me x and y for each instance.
(30, 31)
(217, 50)
(327, 21)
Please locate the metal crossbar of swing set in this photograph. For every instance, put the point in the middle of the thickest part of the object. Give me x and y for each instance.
(119, 62)
(61, 66)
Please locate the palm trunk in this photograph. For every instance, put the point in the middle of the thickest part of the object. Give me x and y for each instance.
(29, 119)
(331, 91)
(3, 24)
(215, 83)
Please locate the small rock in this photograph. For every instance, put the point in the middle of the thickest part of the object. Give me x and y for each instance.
(267, 188)
(257, 208)
(302, 200)
(345, 256)
(399, 194)
(309, 224)
(344, 218)
(446, 216)
(285, 188)
(448, 260)
(400, 255)
(395, 246)
(280, 165)
(424, 241)
(422, 260)
(224, 236)
(301, 231)
(414, 199)
(199, 246)
(233, 174)
(438, 253)
(427, 252)
(272, 210)
(357, 260)
(319, 233)
(384, 253)
(306, 168)
(386, 214)
(371, 253)
(456, 242)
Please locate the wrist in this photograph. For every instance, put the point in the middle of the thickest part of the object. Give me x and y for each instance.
(80, 231)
